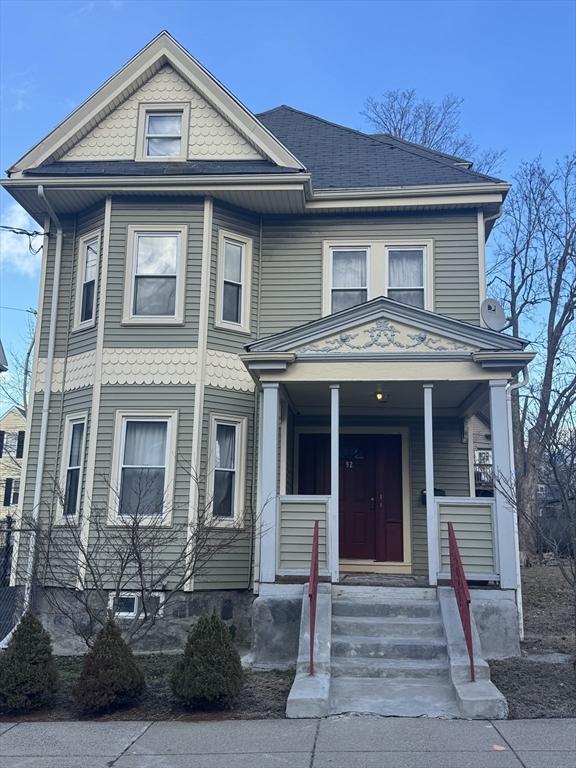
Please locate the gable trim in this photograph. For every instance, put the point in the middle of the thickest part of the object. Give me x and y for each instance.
(163, 49)
(391, 310)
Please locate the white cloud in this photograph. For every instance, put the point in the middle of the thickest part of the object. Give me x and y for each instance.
(14, 249)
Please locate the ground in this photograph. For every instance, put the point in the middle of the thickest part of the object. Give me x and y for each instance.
(542, 682)
(263, 695)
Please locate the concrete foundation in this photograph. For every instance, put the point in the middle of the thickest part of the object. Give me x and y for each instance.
(170, 630)
(496, 617)
(276, 616)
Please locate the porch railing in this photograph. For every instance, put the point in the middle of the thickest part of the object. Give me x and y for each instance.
(462, 594)
(313, 592)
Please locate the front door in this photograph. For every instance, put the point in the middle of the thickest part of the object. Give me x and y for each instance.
(370, 491)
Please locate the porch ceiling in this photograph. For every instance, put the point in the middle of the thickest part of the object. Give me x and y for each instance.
(359, 397)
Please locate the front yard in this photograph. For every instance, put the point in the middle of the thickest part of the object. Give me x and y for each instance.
(542, 682)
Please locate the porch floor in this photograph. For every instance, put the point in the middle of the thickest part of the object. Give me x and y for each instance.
(383, 580)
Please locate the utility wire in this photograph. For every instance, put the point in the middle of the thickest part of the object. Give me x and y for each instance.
(19, 309)
(30, 234)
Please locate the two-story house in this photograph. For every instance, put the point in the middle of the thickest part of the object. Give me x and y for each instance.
(285, 308)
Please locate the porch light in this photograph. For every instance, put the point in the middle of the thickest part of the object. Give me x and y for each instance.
(381, 396)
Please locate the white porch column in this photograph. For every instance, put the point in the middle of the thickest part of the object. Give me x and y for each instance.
(503, 479)
(269, 481)
(431, 520)
(333, 521)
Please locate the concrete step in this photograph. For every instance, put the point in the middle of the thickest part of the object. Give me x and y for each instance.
(390, 668)
(359, 647)
(409, 697)
(386, 626)
(382, 594)
(412, 609)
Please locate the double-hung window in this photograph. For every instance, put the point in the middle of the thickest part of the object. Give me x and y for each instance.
(11, 491)
(73, 454)
(155, 292)
(163, 134)
(234, 271)
(349, 277)
(227, 452)
(407, 275)
(144, 464)
(87, 280)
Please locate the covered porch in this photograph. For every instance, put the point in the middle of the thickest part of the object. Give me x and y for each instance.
(364, 428)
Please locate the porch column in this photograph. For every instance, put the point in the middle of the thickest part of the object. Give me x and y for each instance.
(431, 520)
(269, 481)
(333, 521)
(503, 480)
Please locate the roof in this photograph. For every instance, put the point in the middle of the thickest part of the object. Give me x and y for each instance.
(135, 168)
(341, 158)
(3, 361)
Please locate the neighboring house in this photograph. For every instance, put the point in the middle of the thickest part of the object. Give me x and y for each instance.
(289, 306)
(3, 361)
(12, 440)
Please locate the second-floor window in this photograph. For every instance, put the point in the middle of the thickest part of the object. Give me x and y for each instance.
(349, 277)
(87, 280)
(156, 289)
(12, 444)
(11, 491)
(71, 477)
(406, 275)
(234, 272)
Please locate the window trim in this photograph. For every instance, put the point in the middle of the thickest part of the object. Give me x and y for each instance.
(80, 325)
(245, 309)
(80, 417)
(134, 230)
(122, 417)
(240, 423)
(377, 267)
(169, 107)
(11, 484)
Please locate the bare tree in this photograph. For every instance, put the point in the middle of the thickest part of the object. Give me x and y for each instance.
(145, 552)
(405, 115)
(534, 274)
(15, 383)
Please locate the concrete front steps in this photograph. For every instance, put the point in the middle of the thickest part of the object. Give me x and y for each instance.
(389, 654)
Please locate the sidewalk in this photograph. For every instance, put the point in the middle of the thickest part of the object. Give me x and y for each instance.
(344, 742)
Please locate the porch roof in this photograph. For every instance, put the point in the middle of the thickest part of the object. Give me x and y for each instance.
(384, 330)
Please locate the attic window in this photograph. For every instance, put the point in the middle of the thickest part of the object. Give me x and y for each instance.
(163, 134)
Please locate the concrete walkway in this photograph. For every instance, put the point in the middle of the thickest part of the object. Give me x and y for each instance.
(339, 742)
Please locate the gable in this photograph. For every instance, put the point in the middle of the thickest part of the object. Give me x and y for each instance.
(382, 336)
(210, 135)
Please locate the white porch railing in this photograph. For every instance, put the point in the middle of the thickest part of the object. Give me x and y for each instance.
(475, 528)
(295, 527)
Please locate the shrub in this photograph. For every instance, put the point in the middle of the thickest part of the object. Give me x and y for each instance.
(210, 671)
(28, 675)
(110, 677)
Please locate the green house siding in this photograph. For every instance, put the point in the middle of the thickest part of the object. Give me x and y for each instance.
(292, 261)
(246, 225)
(148, 213)
(231, 567)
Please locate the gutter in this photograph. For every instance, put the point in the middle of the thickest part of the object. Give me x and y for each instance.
(47, 392)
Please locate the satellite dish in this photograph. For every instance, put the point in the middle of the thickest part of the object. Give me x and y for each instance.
(493, 314)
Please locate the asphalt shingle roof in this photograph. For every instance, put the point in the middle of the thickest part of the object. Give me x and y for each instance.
(343, 158)
(142, 168)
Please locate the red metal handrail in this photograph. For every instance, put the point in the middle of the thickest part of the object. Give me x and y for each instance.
(313, 591)
(462, 594)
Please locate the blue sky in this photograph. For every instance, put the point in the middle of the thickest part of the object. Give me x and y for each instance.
(513, 62)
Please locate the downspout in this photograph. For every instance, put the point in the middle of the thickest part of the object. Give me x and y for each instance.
(509, 389)
(47, 391)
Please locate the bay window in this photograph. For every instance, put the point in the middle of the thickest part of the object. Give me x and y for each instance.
(72, 464)
(234, 273)
(227, 449)
(88, 263)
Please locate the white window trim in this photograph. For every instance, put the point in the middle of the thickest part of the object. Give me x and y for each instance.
(136, 611)
(122, 416)
(240, 422)
(70, 420)
(80, 325)
(129, 318)
(143, 111)
(377, 267)
(246, 242)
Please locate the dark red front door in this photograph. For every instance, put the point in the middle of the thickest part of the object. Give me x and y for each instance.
(370, 491)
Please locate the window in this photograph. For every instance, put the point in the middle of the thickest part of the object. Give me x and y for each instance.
(349, 277)
(163, 131)
(406, 275)
(227, 451)
(20, 444)
(156, 290)
(143, 465)
(127, 605)
(71, 476)
(234, 270)
(11, 491)
(89, 250)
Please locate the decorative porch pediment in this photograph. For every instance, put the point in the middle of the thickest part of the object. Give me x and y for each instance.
(383, 327)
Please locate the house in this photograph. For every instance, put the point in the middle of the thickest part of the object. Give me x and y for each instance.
(12, 439)
(289, 310)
